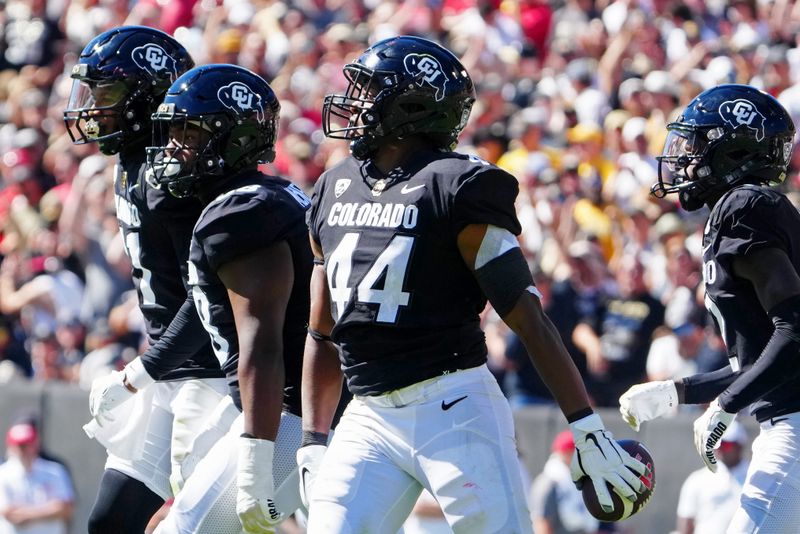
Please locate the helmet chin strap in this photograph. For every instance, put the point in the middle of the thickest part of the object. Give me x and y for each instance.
(696, 193)
(361, 149)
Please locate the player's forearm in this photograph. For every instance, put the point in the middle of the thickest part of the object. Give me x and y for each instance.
(705, 387)
(776, 364)
(182, 340)
(321, 384)
(261, 381)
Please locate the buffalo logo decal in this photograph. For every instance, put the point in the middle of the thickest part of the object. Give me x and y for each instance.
(427, 70)
(153, 59)
(742, 112)
(240, 99)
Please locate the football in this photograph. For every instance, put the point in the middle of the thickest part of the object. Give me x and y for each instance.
(623, 508)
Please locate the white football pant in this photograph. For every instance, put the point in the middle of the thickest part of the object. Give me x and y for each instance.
(207, 502)
(177, 413)
(770, 502)
(452, 435)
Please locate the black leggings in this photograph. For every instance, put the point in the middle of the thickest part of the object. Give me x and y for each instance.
(123, 506)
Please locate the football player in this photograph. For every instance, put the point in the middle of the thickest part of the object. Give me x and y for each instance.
(410, 240)
(730, 144)
(249, 270)
(119, 80)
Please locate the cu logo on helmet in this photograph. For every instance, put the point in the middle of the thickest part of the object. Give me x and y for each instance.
(741, 112)
(154, 59)
(429, 71)
(239, 98)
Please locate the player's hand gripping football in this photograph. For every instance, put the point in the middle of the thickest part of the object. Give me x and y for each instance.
(708, 431)
(599, 457)
(309, 459)
(111, 390)
(255, 495)
(644, 402)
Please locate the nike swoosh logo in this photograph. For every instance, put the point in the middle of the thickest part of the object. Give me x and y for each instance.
(447, 405)
(406, 190)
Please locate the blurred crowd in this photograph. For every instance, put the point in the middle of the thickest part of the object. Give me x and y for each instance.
(573, 99)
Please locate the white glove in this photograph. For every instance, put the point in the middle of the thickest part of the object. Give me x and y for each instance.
(107, 393)
(599, 457)
(255, 496)
(708, 431)
(111, 390)
(309, 459)
(136, 375)
(644, 402)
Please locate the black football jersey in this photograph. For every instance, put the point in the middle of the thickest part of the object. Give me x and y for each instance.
(255, 212)
(406, 305)
(746, 219)
(157, 228)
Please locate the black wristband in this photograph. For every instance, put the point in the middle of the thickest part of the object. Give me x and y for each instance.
(247, 435)
(316, 335)
(580, 414)
(313, 438)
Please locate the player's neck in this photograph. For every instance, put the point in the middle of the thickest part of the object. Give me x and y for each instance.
(395, 154)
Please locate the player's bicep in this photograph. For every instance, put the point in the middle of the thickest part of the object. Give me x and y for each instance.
(469, 242)
(259, 285)
(494, 256)
(320, 319)
(772, 274)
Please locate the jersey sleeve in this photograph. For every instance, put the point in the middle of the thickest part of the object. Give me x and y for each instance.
(486, 197)
(748, 221)
(241, 224)
(314, 212)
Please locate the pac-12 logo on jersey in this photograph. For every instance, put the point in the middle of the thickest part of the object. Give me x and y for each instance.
(741, 112)
(427, 69)
(154, 59)
(239, 98)
(341, 186)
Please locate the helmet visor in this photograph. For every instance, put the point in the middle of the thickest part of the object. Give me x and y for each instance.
(93, 111)
(97, 95)
(683, 148)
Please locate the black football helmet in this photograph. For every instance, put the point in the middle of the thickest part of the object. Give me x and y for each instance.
(400, 86)
(119, 80)
(236, 112)
(727, 136)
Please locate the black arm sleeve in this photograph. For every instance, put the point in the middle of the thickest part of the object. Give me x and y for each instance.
(184, 337)
(705, 387)
(776, 364)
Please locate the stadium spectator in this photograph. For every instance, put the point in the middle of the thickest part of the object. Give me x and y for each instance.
(708, 500)
(36, 495)
(556, 505)
(617, 336)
